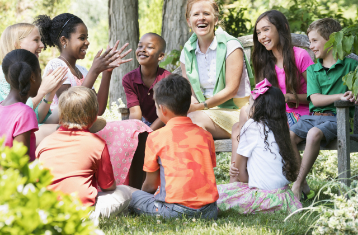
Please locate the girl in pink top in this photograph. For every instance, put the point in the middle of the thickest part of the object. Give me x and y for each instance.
(283, 65)
(18, 121)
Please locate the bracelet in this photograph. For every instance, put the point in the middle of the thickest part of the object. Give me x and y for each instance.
(46, 101)
(205, 106)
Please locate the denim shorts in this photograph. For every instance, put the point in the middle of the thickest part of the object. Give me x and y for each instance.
(145, 203)
(327, 124)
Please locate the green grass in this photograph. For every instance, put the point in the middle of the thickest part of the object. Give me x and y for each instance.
(228, 222)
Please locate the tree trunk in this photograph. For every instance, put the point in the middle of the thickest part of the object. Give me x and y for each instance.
(175, 30)
(123, 26)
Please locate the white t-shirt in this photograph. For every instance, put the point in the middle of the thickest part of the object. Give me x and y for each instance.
(207, 68)
(264, 168)
(70, 78)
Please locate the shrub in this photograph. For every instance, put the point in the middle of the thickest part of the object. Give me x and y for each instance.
(27, 207)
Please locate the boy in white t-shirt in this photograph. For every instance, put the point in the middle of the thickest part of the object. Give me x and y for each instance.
(265, 163)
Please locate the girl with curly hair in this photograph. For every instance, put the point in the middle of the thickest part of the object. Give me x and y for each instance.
(265, 163)
(124, 139)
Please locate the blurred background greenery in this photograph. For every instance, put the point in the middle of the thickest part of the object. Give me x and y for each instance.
(237, 17)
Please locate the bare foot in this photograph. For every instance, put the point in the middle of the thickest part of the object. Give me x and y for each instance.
(297, 190)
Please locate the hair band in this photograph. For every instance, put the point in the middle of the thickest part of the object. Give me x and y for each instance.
(260, 88)
(58, 36)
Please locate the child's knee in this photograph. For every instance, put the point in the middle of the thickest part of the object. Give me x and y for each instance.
(314, 135)
(295, 138)
(235, 128)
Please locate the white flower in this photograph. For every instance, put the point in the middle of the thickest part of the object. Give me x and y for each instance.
(28, 187)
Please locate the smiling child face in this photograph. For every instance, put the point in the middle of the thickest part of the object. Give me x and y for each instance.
(149, 50)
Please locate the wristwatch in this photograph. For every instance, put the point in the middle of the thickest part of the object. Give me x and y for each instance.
(46, 101)
(205, 106)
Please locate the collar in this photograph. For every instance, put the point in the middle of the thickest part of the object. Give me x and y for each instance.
(61, 128)
(318, 66)
(138, 75)
(180, 120)
(212, 46)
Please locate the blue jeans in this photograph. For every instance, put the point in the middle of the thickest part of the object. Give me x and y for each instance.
(145, 203)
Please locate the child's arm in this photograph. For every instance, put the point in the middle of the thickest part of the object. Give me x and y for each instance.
(25, 139)
(319, 100)
(135, 112)
(302, 98)
(103, 91)
(151, 183)
(238, 171)
(157, 124)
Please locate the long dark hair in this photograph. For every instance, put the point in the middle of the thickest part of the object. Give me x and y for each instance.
(52, 30)
(18, 66)
(264, 61)
(270, 110)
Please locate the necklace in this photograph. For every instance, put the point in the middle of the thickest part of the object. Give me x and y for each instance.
(75, 69)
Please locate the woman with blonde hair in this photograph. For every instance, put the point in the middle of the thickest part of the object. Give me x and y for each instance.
(217, 68)
(26, 36)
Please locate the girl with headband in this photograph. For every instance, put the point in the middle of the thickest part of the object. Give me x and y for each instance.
(265, 163)
(124, 139)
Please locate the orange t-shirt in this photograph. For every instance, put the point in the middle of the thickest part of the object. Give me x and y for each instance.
(78, 160)
(185, 155)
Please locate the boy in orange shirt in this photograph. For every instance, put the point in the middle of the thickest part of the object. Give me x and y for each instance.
(179, 158)
(79, 160)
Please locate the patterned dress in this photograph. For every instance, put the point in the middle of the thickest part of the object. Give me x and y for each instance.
(121, 136)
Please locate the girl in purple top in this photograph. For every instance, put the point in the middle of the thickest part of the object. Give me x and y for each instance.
(18, 121)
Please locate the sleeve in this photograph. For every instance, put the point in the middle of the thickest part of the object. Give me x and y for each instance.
(151, 157)
(248, 138)
(132, 97)
(231, 46)
(313, 86)
(304, 61)
(182, 57)
(25, 122)
(84, 72)
(105, 177)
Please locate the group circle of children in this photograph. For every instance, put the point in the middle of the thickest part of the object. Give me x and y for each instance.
(116, 165)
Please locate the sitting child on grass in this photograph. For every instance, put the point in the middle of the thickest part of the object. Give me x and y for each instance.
(265, 163)
(18, 121)
(78, 159)
(324, 86)
(138, 84)
(179, 158)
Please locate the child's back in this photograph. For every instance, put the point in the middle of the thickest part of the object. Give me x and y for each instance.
(73, 163)
(186, 156)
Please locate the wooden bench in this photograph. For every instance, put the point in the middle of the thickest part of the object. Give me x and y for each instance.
(345, 143)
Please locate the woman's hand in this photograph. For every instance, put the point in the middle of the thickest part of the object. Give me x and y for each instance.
(195, 107)
(110, 59)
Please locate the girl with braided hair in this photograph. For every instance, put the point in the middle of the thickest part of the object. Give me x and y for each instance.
(18, 121)
(125, 139)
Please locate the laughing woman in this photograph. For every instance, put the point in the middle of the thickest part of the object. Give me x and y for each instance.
(125, 139)
(218, 71)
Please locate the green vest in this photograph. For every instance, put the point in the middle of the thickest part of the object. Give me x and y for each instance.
(191, 66)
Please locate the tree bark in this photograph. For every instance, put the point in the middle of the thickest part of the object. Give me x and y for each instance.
(123, 26)
(175, 30)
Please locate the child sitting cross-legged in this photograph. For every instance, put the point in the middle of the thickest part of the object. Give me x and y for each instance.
(179, 158)
(138, 84)
(265, 163)
(324, 86)
(79, 160)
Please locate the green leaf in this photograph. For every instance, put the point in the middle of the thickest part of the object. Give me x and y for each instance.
(348, 44)
(338, 44)
(355, 45)
(348, 80)
(330, 42)
(355, 87)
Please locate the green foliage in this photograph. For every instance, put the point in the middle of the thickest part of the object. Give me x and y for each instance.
(27, 207)
(150, 16)
(343, 43)
(172, 59)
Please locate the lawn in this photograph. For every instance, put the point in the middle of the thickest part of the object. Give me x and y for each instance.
(230, 222)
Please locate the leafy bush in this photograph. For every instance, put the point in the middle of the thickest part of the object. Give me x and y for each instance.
(27, 207)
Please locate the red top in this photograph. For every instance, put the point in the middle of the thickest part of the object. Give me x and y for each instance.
(185, 155)
(138, 94)
(78, 160)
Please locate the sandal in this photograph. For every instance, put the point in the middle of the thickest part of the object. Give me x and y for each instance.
(309, 196)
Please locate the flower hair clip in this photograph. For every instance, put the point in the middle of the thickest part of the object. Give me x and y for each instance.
(260, 88)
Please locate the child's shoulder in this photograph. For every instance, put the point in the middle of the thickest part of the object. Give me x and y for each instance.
(163, 72)
(301, 53)
(132, 74)
(350, 62)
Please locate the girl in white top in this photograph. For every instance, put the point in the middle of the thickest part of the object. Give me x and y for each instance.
(265, 163)
(218, 58)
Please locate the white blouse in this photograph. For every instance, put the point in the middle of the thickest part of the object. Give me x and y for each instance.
(207, 68)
